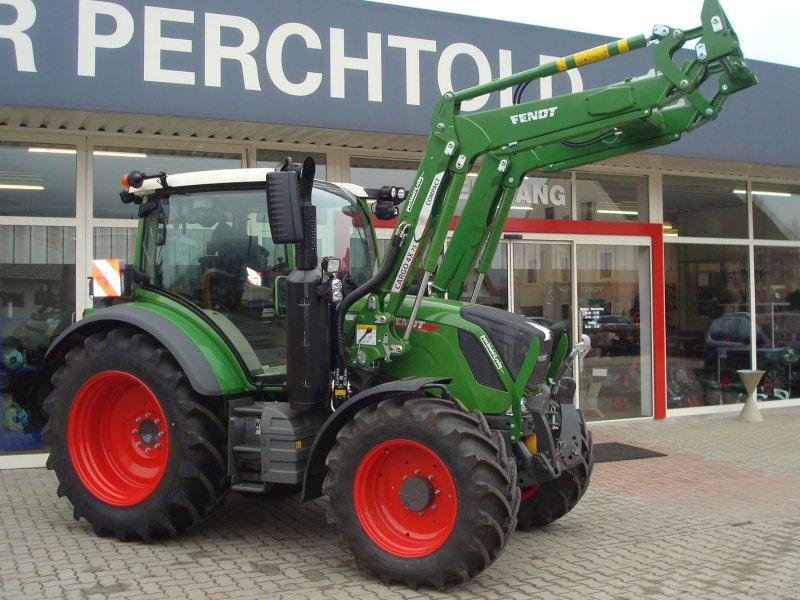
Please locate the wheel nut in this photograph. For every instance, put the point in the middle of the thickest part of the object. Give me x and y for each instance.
(433, 507)
(430, 477)
(138, 444)
(157, 421)
(160, 434)
(416, 471)
(146, 415)
(134, 431)
(158, 446)
(147, 450)
(138, 419)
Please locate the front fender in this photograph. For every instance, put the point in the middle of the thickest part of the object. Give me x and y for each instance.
(209, 364)
(326, 438)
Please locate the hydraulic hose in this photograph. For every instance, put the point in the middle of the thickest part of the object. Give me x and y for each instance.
(362, 291)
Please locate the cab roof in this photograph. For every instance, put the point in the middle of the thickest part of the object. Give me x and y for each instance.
(256, 176)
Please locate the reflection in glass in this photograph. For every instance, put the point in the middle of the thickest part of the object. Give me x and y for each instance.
(614, 309)
(37, 303)
(494, 289)
(37, 180)
(115, 242)
(708, 323)
(543, 284)
(377, 172)
(612, 198)
(777, 284)
(776, 212)
(700, 207)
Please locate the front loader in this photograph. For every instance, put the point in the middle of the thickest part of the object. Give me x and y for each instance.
(258, 341)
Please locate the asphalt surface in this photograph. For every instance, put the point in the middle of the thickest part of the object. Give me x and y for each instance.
(717, 517)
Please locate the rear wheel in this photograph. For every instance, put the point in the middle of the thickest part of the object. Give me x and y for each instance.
(422, 491)
(137, 452)
(547, 502)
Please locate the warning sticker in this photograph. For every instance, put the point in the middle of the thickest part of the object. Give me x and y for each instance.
(591, 55)
(366, 335)
(622, 46)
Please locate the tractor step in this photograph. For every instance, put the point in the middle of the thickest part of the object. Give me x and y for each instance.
(250, 409)
(251, 487)
(247, 449)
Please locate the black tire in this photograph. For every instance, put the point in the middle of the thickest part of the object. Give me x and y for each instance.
(185, 478)
(479, 501)
(555, 498)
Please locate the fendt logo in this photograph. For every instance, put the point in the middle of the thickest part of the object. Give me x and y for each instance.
(533, 115)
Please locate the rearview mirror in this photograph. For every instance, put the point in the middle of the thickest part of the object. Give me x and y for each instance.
(283, 207)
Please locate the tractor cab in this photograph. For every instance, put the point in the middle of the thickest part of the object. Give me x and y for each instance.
(209, 245)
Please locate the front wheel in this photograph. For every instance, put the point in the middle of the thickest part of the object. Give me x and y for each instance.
(421, 491)
(136, 451)
(549, 501)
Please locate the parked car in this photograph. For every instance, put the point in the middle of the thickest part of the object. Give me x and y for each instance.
(777, 337)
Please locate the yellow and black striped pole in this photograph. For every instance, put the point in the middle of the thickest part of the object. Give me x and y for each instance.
(559, 65)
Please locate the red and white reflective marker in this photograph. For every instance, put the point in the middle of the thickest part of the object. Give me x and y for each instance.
(107, 279)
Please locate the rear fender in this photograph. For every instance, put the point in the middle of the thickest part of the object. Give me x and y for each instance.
(326, 438)
(208, 377)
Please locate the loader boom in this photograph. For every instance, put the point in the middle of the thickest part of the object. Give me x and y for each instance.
(549, 134)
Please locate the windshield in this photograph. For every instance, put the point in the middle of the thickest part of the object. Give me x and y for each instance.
(215, 249)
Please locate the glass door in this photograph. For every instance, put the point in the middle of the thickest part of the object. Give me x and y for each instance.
(613, 300)
(542, 276)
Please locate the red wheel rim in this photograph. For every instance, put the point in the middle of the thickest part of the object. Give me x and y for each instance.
(117, 438)
(528, 492)
(384, 479)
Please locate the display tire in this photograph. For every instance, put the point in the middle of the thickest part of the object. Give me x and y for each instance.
(99, 441)
(549, 501)
(448, 537)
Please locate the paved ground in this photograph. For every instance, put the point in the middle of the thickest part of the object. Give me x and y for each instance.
(719, 517)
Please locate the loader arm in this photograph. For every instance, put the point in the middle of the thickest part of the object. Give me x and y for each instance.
(551, 134)
(503, 171)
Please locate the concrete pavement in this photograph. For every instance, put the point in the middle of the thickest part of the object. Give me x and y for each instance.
(718, 517)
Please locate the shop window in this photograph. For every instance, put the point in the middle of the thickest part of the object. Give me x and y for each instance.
(612, 198)
(699, 207)
(37, 287)
(494, 287)
(777, 327)
(708, 323)
(540, 291)
(111, 163)
(37, 180)
(776, 212)
(268, 159)
(115, 242)
(377, 172)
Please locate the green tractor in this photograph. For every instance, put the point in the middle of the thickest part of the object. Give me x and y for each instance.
(259, 341)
